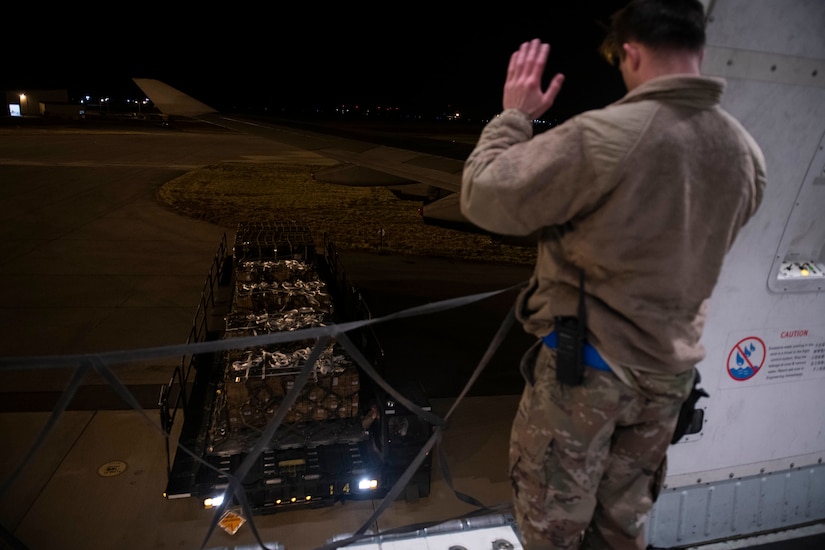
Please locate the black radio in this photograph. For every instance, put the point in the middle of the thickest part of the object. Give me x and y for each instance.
(570, 339)
(571, 336)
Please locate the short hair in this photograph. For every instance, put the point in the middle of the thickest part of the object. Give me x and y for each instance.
(671, 24)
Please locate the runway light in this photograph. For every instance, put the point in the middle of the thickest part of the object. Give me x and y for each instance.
(212, 502)
(365, 484)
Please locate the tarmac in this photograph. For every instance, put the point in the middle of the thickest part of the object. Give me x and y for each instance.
(93, 267)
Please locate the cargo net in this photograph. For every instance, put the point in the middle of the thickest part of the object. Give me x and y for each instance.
(273, 240)
(273, 296)
(264, 287)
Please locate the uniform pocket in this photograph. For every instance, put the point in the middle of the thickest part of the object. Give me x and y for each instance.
(531, 442)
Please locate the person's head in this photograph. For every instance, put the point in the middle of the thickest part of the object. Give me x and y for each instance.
(648, 38)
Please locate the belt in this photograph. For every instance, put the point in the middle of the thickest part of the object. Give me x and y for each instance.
(591, 356)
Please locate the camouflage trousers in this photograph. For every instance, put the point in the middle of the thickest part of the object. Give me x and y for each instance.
(587, 462)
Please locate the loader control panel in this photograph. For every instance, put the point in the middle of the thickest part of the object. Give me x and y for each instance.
(801, 270)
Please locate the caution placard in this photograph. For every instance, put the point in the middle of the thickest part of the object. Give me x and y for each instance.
(231, 521)
(769, 356)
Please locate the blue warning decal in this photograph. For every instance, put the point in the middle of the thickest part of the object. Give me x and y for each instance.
(746, 358)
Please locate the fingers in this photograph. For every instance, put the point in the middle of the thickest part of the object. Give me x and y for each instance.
(553, 90)
(522, 89)
(529, 60)
(537, 54)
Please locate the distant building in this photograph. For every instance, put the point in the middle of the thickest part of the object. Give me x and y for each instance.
(40, 103)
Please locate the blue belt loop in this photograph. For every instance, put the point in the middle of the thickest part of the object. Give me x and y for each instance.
(591, 356)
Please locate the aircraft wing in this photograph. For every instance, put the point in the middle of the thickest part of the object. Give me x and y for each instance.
(408, 170)
(363, 163)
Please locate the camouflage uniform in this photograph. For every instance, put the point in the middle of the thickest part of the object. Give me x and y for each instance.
(587, 462)
(626, 197)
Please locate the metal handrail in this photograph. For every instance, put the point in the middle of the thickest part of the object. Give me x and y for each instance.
(197, 333)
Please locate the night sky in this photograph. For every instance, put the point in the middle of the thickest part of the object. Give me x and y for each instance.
(408, 57)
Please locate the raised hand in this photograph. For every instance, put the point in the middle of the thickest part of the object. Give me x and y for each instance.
(522, 89)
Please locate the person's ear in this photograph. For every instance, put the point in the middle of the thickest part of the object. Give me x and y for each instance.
(633, 55)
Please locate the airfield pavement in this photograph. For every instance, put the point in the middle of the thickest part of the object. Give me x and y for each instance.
(91, 264)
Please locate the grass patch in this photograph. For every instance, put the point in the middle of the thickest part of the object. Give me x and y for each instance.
(355, 218)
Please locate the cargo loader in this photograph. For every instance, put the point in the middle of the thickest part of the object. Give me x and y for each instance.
(331, 432)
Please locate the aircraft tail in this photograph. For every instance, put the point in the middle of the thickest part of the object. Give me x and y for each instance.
(170, 101)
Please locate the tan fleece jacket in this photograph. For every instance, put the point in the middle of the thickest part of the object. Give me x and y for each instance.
(646, 196)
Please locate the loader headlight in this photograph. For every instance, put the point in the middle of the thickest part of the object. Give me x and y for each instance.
(212, 502)
(367, 484)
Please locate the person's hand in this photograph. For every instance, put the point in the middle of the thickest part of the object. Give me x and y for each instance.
(522, 89)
